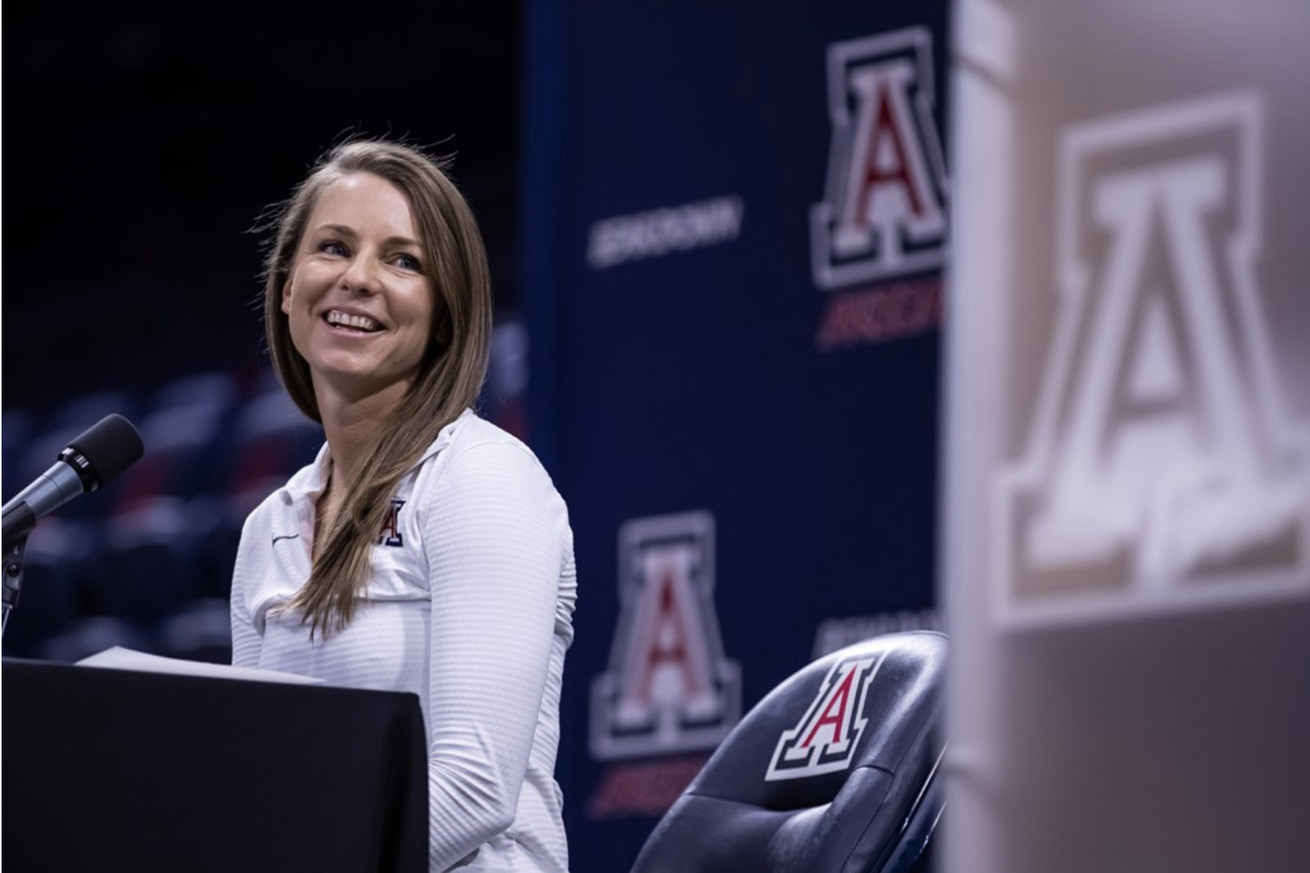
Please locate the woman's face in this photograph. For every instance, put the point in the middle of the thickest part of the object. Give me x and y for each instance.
(358, 299)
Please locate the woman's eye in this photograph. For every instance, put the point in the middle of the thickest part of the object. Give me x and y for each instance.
(408, 262)
(332, 247)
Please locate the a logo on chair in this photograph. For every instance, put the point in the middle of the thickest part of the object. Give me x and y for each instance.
(668, 688)
(825, 738)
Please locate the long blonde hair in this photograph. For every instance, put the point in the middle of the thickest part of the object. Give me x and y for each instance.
(450, 374)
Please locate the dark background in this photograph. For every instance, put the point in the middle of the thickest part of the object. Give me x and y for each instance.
(143, 145)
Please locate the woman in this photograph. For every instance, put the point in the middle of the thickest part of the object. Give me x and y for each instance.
(425, 549)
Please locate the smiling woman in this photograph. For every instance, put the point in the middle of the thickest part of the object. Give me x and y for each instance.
(424, 550)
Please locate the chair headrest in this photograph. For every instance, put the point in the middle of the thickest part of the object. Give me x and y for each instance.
(867, 705)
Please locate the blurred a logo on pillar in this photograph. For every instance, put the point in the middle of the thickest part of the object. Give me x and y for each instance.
(1162, 467)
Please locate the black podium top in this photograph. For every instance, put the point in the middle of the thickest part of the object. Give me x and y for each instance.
(114, 770)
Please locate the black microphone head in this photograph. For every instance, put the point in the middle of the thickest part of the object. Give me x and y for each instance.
(104, 450)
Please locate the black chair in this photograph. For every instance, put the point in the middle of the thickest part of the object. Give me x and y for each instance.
(834, 771)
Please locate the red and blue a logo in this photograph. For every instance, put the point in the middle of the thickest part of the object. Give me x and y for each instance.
(884, 212)
(669, 687)
(825, 738)
(390, 534)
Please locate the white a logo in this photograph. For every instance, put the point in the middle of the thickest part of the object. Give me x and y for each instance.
(1161, 465)
(668, 687)
(884, 213)
(825, 738)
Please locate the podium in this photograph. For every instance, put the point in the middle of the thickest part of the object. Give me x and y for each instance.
(116, 770)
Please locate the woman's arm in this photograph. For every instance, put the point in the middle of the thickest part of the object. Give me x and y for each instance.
(246, 641)
(496, 536)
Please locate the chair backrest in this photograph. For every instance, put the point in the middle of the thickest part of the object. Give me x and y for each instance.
(832, 771)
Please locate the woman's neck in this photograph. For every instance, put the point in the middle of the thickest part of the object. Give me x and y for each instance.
(352, 427)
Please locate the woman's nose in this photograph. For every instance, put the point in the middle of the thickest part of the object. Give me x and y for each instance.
(361, 275)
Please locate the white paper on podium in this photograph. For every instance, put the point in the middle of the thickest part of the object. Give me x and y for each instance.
(119, 658)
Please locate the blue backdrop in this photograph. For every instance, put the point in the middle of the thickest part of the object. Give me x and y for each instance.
(733, 233)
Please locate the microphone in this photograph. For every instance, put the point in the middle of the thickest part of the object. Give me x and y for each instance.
(91, 459)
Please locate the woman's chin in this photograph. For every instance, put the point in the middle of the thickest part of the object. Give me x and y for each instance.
(349, 385)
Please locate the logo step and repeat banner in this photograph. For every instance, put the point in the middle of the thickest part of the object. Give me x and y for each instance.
(736, 220)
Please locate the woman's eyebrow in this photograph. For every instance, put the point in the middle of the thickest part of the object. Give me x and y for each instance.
(340, 229)
(346, 230)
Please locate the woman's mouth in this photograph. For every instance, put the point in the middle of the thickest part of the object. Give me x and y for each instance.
(349, 322)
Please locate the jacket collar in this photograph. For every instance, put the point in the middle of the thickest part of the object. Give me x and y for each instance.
(309, 481)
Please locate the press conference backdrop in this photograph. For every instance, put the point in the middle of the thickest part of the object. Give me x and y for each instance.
(1127, 500)
(733, 231)
(735, 221)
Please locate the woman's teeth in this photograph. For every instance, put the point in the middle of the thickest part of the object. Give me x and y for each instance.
(344, 319)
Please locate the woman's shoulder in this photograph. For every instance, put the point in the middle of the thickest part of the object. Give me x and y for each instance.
(472, 450)
(472, 431)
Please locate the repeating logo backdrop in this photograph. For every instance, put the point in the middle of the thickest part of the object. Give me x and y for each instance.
(735, 224)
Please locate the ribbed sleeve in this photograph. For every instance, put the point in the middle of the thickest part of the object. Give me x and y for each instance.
(495, 535)
(246, 641)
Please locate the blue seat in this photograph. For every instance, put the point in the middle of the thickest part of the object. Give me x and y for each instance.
(149, 563)
(17, 426)
(61, 561)
(270, 441)
(84, 637)
(216, 522)
(183, 426)
(200, 630)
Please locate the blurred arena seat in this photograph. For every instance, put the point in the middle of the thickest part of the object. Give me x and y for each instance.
(17, 425)
(149, 563)
(271, 439)
(832, 772)
(76, 415)
(87, 636)
(200, 631)
(187, 421)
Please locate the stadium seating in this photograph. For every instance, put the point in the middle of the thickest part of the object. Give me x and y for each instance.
(146, 562)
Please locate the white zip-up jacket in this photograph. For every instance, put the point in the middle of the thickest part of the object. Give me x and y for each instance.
(469, 605)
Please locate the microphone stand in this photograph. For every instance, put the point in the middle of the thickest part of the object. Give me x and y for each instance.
(18, 523)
